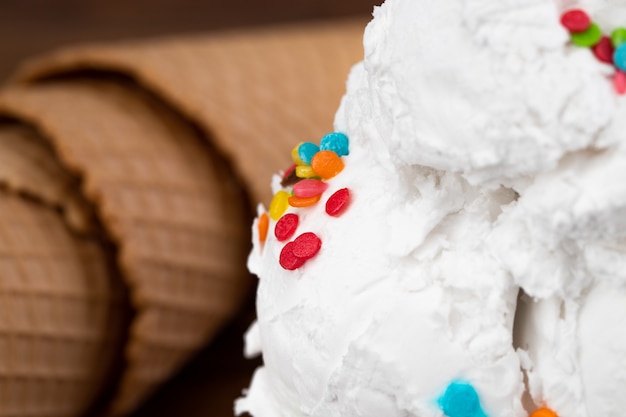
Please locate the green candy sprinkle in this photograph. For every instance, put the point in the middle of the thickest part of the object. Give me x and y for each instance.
(588, 38)
(618, 37)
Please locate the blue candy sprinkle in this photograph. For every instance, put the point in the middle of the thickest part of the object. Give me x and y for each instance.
(336, 142)
(306, 151)
(460, 400)
(619, 57)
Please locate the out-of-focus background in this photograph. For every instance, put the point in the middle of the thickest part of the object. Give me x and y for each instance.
(32, 27)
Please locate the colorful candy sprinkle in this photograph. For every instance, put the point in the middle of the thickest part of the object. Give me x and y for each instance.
(303, 201)
(327, 164)
(306, 151)
(288, 260)
(575, 20)
(289, 180)
(279, 204)
(295, 154)
(461, 400)
(619, 82)
(289, 171)
(305, 171)
(309, 188)
(588, 38)
(263, 225)
(603, 50)
(295, 254)
(543, 412)
(336, 142)
(306, 245)
(286, 226)
(611, 50)
(619, 57)
(303, 185)
(618, 37)
(338, 202)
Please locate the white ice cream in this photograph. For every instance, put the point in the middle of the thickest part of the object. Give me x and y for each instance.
(487, 158)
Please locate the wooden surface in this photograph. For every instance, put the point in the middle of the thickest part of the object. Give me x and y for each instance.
(210, 383)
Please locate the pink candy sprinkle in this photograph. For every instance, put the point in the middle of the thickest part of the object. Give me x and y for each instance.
(619, 82)
(309, 188)
(338, 202)
(576, 20)
(603, 50)
(286, 226)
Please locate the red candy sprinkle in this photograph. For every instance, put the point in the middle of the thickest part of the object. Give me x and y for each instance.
(338, 202)
(603, 50)
(575, 20)
(306, 245)
(286, 226)
(295, 254)
(309, 188)
(287, 258)
(289, 170)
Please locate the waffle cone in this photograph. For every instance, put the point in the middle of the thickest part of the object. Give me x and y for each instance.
(166, 143)
(164, 201)
(63, 305)
(255, 94)
(28, 166)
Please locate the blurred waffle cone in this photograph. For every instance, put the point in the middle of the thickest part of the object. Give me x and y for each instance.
(64, 310)
(156, 150)
(164, 201)
(254, 94)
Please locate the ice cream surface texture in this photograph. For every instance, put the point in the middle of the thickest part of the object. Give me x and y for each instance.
(478, 267)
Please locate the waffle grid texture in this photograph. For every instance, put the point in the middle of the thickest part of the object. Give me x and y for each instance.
(132, 193)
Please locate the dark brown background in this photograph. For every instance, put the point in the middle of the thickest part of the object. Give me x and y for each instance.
(209, 384)
(29, 27)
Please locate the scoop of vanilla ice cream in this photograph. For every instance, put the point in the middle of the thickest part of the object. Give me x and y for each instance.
(569, 255)
(575, 363)
(401, 300)
(488, 89)
(486, 158)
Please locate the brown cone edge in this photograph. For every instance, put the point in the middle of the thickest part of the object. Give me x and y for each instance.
(128, 175)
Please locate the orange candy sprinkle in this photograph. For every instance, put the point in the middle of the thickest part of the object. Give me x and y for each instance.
(326, 164)
(303, 201)
(543, 412)
(263, 226)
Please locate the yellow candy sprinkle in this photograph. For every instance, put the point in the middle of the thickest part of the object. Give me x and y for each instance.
(279, 204)
(305, 171)
(295, 156)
